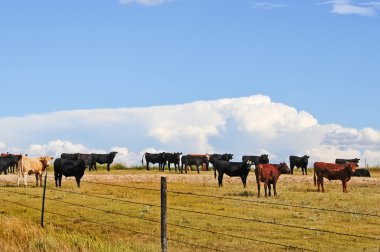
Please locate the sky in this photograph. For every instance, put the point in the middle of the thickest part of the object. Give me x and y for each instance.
(239, 76)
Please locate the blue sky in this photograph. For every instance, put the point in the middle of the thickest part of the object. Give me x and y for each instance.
(321, 57)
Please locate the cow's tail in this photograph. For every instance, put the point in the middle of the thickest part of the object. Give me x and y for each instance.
(142, 159)
(315, 179)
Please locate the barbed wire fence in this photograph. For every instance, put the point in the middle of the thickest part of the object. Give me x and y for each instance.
(163, 222)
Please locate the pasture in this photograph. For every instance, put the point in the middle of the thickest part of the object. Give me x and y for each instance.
(119, 211)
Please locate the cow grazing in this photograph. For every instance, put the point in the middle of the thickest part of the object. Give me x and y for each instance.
(68, 168)
(173, 158)
(37, 166)
(331, 171)
(256, 160)
(345, 161)
(102, 159)
(299, 162)
(362, 173)
(232, 169)
(269, 174)
(154, 158)
(194, 159)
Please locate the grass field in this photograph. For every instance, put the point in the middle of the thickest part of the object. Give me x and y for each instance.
(119, 211)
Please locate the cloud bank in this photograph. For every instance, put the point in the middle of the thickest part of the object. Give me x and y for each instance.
(242, 126)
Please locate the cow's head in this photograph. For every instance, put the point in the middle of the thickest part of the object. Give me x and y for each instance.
(284, 168)
(264, 159)
(351, 167)
(227, 156)
(45, 162)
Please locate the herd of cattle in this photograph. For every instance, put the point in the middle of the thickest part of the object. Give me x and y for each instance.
(265, 172)
(74, 165)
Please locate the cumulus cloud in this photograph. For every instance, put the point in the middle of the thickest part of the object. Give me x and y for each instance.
(242, 126)
(348, 7)
(144, 2)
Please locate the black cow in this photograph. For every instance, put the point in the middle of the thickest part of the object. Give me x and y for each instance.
(299, 162)
(102, 159)
(87, 158)
(256, 160)
(6, 162)
(361, 173)
(232, 169)
(174, 158)
(197, 160)
(68, 168)
(70, 156)
(15, 158)
(345, 161)
(154, 158)
(215, 157)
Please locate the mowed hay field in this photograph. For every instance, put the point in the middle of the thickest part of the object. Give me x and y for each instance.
(120, 211)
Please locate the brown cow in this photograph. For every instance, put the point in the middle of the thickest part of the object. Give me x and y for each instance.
(269, 174)
(332, 171)
(27, 165)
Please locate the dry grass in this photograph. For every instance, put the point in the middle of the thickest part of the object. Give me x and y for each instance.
(20, 230)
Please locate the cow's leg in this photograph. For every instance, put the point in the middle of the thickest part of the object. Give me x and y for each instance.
(18, 180)
(169, 166)
(306, 170)
(244, 180)
(108, 167)
(269, 190)
(25, 180)
(258, 189)
(344, 185)
(220, 179)
(274, 188)
(40, 179)
(291, 169)
(36, 179)
(323, 188)
(78, 181)
(60, 180)
(198, 168)
(266, 187)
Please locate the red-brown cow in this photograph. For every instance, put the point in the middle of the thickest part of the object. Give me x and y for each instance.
(332, 171)
(269, 174)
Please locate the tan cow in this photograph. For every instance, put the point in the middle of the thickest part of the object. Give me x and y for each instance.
(27, 165)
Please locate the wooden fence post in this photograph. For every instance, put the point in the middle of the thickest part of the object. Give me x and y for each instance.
(43, 201)
(164, 239)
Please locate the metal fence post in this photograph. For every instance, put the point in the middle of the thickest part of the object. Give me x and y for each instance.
(164, 239)
(43, 201)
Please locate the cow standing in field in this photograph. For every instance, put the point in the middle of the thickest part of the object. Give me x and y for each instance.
(299, 162)
(37, 166)
(232, 169)
(269, 174)
(68, 168)
(194, 159)
(256, 160)
(14, 160)
(6, 162)
(173, 158)
(345, 161)
(102, 159)
(154, 158)
(331, 171)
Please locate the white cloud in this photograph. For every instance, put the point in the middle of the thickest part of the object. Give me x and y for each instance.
(267, 5)
(242, 126)
(144, 2)
(348, 7)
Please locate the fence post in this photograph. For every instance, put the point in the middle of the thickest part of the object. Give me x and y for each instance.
(164, 239)
(43, 201)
